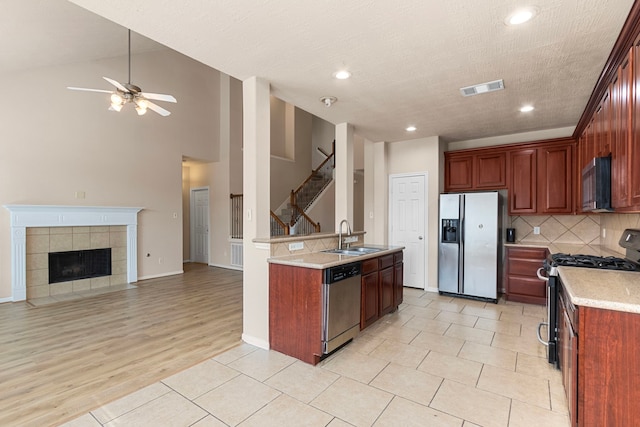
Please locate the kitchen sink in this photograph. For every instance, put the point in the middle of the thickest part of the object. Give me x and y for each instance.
(360, 250)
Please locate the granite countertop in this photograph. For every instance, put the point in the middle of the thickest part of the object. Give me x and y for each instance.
(322, 260)
(606, 289)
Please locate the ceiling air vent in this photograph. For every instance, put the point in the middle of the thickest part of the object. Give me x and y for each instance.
(482, 88)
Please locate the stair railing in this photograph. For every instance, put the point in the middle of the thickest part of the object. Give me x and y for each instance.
(298, 204)
(278, 228)
(236, 216)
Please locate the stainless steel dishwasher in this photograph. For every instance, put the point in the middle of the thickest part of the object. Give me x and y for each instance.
(341, 305)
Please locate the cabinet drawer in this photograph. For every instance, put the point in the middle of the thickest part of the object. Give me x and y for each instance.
(524, 267)
(527, 253)
(527, 286)
(397, 257)
(386, 261)
(369, 265)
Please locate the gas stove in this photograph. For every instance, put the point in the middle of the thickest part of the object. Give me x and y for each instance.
(593, 261)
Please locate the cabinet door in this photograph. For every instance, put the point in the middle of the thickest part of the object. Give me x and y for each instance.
(634, 146)
(621, 102)
(386, 291)
(522, 283)
(369, 301)
(523, 181)
(555, 173)
(458, 173)
(398, 278)
(568, 354)
(490, 170)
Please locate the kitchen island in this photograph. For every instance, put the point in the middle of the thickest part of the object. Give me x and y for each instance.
(296, 296)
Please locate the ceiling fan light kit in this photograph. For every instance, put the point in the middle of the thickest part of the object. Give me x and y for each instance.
(128, 92)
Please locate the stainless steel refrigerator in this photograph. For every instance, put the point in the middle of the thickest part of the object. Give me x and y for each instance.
(469, 248)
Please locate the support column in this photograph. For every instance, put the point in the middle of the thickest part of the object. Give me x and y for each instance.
(344, 174)
(256, 197)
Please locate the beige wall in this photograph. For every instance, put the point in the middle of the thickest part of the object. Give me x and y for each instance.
(612, 226)
(56, 142)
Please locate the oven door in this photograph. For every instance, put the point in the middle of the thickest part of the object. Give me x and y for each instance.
(551, 325)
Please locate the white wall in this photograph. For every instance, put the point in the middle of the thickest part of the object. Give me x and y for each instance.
(57, 142)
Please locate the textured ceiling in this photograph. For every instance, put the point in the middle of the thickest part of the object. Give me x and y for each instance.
(408, 58)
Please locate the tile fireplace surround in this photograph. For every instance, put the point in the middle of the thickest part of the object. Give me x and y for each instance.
(24, 216)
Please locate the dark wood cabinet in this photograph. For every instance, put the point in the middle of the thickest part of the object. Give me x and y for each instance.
(555, 169)
(521, 281)
(369, 305)
(490, 170)
(458, 173)
(621, 108)
(386, 284)
(568, 354)
(398, 278)
(523, 181)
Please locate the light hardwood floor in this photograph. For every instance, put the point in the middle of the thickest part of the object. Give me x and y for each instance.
(61, 360)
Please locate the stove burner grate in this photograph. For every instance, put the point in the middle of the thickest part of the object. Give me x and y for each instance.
(592, 261)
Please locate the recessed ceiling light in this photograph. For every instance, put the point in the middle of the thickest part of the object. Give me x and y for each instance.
(521, 16)
(526, 108)
(411, 128)
(342, 75)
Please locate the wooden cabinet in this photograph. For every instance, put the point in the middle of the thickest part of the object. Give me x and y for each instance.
(476, 170)
(381, 287)
(555, 170)
(521, 281)
(523, 181)
(369, 305)
(621, 108)
(599, 362)
(568, 354)
(398, 278)
(458, 173)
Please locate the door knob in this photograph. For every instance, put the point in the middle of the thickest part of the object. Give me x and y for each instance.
(419, 237)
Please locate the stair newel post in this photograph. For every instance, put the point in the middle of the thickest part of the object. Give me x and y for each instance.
(292, 202)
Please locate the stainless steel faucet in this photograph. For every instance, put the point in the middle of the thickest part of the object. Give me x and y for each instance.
(340, 232)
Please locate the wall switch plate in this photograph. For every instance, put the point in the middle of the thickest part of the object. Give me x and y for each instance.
(604, 233)
(536, 230)
(296, 246)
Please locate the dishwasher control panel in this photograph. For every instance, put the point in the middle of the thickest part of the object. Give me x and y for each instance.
(341, 272)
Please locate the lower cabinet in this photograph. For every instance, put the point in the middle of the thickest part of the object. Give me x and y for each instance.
(381, 287)
(521, 281)
(600, 364)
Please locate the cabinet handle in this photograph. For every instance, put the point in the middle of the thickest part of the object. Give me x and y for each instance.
(540, 325)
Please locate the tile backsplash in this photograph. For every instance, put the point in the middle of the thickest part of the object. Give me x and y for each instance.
(576, 229)
(573, 229)
(613, 225)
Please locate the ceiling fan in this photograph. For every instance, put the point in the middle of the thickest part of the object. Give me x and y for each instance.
(128, 92)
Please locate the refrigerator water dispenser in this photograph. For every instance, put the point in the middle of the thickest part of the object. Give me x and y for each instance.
(450, 231)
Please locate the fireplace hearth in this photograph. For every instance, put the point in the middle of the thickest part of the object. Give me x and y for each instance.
(77, 265)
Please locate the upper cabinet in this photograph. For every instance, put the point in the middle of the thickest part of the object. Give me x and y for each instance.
(538, 176)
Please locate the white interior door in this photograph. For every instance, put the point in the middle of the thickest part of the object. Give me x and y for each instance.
(200, 225)
(408, 219)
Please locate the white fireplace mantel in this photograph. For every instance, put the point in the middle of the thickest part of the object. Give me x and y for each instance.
(23, 216)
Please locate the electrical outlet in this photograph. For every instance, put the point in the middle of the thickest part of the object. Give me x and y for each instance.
(351, 239)
(536, 230)
(80, 194)
(296, 246)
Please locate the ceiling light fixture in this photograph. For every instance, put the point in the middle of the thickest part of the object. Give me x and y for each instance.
(526, 108)
(342, 75)
(521, 16)
(328, 101)
(411, 128)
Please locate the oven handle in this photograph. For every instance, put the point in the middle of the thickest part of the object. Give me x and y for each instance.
(540, 325)
(540, 276)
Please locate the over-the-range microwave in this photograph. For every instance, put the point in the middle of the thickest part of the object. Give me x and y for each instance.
(596, 185)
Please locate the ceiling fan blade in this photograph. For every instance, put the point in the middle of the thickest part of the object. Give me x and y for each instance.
(158, 96)
(158, 109)
(116, 84)
(89, 90)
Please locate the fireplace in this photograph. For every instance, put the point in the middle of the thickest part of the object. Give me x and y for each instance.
(76, 265)
(78, 222)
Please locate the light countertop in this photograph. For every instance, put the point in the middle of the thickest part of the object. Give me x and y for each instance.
(322, 260)
(606, 289)
(568, 248)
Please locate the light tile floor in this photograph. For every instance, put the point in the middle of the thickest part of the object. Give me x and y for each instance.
(437, 361)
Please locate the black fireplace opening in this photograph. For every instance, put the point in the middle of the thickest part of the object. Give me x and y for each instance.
(76, 265)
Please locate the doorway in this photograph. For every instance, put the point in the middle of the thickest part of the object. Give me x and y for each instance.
(408, 224)
(199, 229)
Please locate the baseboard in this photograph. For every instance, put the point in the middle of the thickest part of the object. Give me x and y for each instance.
(184, 261)
(7, 299)
(228, 267)
(429, 289)
(155, 276)
(260, 343)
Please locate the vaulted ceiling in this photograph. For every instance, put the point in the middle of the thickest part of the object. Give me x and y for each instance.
(408, 59)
